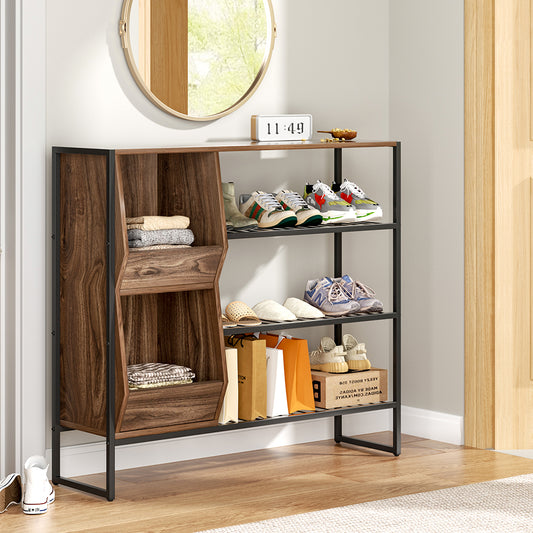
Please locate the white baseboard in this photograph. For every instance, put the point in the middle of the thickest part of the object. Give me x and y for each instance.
(432, 425)
(84, 459)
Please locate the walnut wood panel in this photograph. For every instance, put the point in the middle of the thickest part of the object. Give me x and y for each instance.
(83, 289)
(140, 328)
(138, 173)
(167, 406)
(121, 254)
(151, 271)
(189, 332)
(169, 53)
(254, 146)
(189, 184)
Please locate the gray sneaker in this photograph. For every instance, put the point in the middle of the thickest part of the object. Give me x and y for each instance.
(361, 293)
(329, 357)
(365, 208)
(332, 207)
(329, 296)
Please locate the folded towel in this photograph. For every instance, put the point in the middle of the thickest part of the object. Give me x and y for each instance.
(157, 222)
(162, 247)
(157, 373)
(138, 238)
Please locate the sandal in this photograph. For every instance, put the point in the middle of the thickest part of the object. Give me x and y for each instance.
(242, 314)
(227, 323)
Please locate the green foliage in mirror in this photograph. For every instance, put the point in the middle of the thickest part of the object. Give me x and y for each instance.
(227, 44)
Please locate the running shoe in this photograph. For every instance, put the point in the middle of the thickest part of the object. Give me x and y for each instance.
(266, 210)
(365, 208)
(360, 293)
(329, 357)
(355, 353)
(332, 207)
(328, 296)
(292, 201)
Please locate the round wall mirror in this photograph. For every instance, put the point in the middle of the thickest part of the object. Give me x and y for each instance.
(198, 59)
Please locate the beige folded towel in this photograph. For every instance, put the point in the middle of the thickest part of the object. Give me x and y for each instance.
(161, 247)
(151, 223)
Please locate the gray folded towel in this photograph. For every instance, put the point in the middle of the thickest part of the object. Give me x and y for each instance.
(138, 238)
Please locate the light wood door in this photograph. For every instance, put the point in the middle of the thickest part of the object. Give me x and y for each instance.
(498, 224)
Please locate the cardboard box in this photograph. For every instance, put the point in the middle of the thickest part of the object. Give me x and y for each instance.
(347, 390)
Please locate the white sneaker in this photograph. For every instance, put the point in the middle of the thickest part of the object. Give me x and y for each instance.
(332, 207)
(328, 357)
(292, 201)
(38, 491)
(365, 208)
(266, 210)
(355, 353)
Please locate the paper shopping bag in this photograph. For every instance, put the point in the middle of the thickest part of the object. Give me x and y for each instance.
(252, 386)
(230, 405)
(298, 382)
(276, 391)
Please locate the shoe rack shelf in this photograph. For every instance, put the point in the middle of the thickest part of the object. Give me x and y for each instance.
(114, 306)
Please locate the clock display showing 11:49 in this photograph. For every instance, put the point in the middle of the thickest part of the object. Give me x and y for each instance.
(281, 127)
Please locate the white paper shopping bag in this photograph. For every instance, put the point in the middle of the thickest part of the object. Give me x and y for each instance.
(276, 393)
(230, 405)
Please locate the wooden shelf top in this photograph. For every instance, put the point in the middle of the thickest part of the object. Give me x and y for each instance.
(254, 146)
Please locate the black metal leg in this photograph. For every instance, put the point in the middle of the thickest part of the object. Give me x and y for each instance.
(338, 428)
(396, 324)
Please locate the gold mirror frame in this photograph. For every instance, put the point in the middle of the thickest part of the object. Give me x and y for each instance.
(126, 45)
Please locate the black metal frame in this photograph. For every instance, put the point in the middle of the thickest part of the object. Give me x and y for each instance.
(337, 322)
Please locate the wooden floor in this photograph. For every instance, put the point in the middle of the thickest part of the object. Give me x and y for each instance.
(240, 488)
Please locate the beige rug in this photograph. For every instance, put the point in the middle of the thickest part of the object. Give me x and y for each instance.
(504, 505)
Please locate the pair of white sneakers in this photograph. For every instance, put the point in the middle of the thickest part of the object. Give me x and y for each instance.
(285, 209)
(340, 359)
(38, 491)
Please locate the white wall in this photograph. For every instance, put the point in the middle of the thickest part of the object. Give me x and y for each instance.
(427, 109)
(92, 100)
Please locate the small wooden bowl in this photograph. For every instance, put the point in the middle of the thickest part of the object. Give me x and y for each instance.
(348, 135)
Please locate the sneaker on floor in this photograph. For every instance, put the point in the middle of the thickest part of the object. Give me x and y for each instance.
(38, 491)
(355, 353)
(292, 201)
(332, 207)
(365, 208)
(329, 297)
(10, 491)
(266, 210)
(361, 293)
(329, 357)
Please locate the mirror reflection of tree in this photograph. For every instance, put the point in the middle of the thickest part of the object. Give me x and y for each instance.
(227, 42)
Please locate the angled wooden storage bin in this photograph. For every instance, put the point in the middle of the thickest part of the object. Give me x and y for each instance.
(166, 302)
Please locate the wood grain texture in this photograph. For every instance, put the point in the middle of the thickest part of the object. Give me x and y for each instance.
(254, 146)
(189, 333)
(189, 184)
(144, 40)
(264, 484)
(479, 227)
(121, 255)
(168, 406)
(169, 53)
(83, 290)
(151, 271)
(138, 174)
(498, 161)
(513, 171)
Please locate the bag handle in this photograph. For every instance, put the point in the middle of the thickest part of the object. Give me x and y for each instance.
(234, 340)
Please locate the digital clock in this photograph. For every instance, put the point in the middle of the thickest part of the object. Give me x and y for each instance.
(281, 127)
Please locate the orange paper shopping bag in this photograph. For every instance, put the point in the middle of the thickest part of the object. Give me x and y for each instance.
(298, 382)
